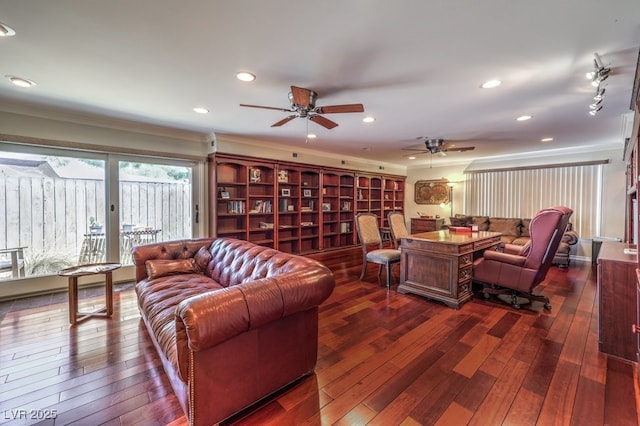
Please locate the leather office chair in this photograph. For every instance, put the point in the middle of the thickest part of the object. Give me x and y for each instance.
(518, 270)
(371, 242)
(398, 227)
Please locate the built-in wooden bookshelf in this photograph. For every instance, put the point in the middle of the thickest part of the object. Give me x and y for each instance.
(296, 208)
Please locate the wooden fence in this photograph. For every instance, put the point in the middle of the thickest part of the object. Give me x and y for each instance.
(51, 215)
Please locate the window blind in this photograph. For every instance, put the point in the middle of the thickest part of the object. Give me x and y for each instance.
(522, 192)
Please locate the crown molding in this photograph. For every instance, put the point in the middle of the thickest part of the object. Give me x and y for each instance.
(96, 120)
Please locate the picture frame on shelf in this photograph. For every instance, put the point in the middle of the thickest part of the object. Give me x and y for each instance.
(306, 193)
(326, 207)
(285, 192)
(283, 176)
(224, 194)
(255, 175)
(291, 208)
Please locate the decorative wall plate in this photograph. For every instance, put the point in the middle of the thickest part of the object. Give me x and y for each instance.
(432, 192)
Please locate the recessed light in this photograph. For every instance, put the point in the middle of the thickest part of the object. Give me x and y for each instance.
(245, 76)
(412, 158)
(368, 119)
(524, 117)
(6, 31)
(546, 139)
(491, 84)
(201, 110)
(312, 136)
(21, 82)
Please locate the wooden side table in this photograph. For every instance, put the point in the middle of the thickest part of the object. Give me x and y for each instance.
(422, 224)
(89, 269)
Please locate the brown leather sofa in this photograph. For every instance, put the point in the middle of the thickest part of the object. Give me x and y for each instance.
(232, 321)
(516, 231)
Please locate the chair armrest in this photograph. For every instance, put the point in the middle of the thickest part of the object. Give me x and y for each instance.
(512, 259)
(513, 249)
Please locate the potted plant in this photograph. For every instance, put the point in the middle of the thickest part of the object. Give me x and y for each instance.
(94, 226)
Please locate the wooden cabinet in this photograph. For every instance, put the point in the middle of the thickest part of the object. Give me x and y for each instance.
(419, 224)
(617, 293)
(296, 208)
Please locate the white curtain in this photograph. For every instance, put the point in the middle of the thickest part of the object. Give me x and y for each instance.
(522, 192)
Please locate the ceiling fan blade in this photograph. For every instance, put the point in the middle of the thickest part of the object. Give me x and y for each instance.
(284, 121)
(415, 149)
(325, 122)
(461, 149)
(265, 107)
(301, 97)
(336, 109)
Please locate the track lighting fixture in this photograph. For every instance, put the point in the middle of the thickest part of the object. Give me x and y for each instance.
(599, 95)
(597, 76)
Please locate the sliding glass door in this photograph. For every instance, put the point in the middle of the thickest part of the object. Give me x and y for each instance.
(48, 203)
(155, 204)
(60, 208)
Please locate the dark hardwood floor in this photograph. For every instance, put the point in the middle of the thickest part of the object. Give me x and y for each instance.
(384, 359)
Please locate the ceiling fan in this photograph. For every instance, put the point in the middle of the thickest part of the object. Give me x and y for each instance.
(303, 105)
(438, 146)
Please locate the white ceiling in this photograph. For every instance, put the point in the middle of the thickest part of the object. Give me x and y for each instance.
(416, 65)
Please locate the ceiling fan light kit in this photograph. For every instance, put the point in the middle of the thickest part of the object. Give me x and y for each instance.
(303, 105)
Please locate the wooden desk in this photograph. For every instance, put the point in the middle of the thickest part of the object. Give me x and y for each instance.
(617, 300)
(421, 224)
(438, 264)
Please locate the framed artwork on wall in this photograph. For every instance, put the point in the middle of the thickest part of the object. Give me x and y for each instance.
(432, 191)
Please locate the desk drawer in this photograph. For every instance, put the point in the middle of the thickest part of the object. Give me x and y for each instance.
(480, 245)
(464, 274)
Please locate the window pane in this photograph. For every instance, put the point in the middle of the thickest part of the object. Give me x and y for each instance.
(155, 204)
(47, 204)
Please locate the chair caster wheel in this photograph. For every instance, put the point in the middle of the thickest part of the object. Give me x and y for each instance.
(516, 306)
(547, 306)
(487, 296)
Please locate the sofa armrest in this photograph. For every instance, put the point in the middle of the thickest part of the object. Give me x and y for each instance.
(214, 317)
(512, 259)
(570, 237)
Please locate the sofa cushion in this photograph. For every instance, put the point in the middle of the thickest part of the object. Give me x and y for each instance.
(521, 240)
(460, 220)
(482, 222)
(202, 259)
(507, 226)
(158, 299)
(160, 267)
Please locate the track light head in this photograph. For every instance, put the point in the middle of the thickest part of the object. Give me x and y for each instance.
(595, 111)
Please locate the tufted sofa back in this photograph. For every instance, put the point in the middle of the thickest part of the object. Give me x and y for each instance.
(232, 261)
(236, 261)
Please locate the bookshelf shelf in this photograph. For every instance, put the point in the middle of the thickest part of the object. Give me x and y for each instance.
(296, 208)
